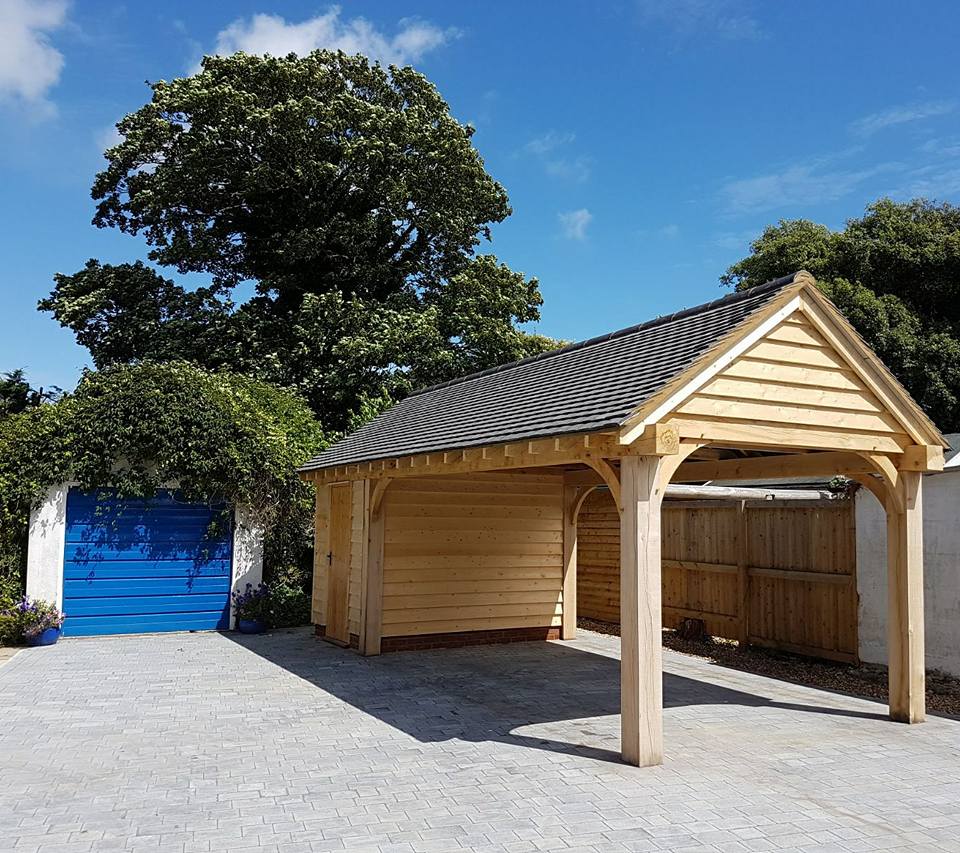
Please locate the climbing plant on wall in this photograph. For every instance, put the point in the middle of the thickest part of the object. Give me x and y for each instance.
(136, 428)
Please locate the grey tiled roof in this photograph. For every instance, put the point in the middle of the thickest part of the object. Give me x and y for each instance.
(582, 387)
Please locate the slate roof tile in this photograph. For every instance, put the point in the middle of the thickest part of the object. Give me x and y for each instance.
(583, 387)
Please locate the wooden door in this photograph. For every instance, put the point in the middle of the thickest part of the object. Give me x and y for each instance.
(338, 559)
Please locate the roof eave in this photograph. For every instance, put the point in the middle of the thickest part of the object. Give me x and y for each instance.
(724, 350)
(606, 429)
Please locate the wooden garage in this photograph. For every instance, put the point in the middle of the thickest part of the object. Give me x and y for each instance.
(451, 518)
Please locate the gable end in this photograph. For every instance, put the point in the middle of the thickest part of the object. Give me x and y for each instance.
(797, 375)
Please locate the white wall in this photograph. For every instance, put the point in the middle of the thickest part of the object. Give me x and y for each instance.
(45, 546)
(48, 527)
(941, 587)
(247, 555)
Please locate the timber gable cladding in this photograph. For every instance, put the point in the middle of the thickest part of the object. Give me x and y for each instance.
(793, 378)
(465, 497)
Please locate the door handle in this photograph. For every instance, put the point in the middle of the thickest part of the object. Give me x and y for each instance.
(330, 558)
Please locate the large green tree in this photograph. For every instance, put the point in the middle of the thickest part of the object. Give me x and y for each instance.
(17, 394)
(895, 274)
(345, 192)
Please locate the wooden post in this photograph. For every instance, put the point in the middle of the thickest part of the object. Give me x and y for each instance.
(743, 576)
(372, 627)
(905, 648)
(568, 624)
(641, 658)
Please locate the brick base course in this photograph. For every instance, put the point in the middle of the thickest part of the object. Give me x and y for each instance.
(468, 638)
(416, 642)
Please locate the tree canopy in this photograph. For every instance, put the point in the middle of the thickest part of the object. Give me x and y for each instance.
(18, 395)
(895, 274)
(345, 192)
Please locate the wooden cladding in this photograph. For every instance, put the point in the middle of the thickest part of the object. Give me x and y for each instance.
(784, 574)
(793, 379)
(472, 553)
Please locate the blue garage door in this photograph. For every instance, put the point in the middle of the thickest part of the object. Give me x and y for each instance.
(132, 566)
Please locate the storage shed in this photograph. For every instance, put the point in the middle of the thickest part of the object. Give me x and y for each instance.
(451, 517)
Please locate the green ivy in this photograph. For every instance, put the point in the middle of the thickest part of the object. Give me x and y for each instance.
(137, 428)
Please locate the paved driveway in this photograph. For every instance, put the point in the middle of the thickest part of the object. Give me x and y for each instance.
(281, 742)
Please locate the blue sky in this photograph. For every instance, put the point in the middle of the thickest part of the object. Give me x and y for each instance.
(643, 144)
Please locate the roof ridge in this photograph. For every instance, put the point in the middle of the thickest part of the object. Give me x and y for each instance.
(736, 296)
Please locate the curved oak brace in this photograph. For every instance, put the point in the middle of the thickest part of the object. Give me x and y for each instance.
(609, 476)
(670, 464)
(884, 466)
(376, 496)
(872, 484)
(581, 494)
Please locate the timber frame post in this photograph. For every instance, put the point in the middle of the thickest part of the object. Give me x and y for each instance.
(641, 657)
(905, 641)
(371, 620)
(900, 492)
(571, 505)
(643, 483)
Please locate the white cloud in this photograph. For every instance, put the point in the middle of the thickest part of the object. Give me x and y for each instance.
(739, 240)
(670, 231)
(29, 65)
(935, 182)
(941, 148)
(725, 19)
(868, 125)
(574, 223)
(799, 185)
(264, 33)
(836, 175)
(107, 137)
(549, 149)
(570, 168)
(549, 142)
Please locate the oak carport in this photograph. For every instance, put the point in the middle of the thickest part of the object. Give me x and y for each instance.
(451, 518)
